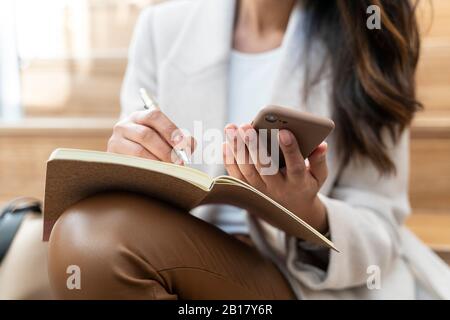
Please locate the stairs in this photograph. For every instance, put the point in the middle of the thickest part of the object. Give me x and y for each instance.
(430, 181)
(430, 135)
(434, 230)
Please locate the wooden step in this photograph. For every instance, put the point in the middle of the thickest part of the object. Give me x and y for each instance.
(434, 19)
(431, 124)
(90, 89)
(430, 162)
(434, 65)
(26, 145)
(433, 78)
(433, 228)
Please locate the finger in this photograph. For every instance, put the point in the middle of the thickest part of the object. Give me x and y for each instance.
(249, 138)
(318, 163)
(237, 147)
(127, 147)
(159, 122)
(295, 163)
(149, 139)
(244, 161)
(268, 170)
(231, 132)
(230, 163)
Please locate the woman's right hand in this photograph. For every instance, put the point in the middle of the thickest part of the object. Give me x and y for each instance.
(151, 135)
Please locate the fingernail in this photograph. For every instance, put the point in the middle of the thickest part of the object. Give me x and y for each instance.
(323, 151)
(285, 137)
(178, 138)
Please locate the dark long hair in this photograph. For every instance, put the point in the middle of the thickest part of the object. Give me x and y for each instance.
(373, 72)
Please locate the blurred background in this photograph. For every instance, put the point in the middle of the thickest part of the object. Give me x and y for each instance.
(61, 67)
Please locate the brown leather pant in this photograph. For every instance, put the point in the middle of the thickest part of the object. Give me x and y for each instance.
(130, 247)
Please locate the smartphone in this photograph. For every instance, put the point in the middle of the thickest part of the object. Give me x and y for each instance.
(309, 130)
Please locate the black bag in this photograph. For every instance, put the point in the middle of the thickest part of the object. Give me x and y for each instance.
(11, 217)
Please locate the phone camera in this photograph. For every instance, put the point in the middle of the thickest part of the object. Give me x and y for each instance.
(271, 118)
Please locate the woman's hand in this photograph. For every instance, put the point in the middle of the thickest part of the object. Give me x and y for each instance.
(295, 186)
(151, 135)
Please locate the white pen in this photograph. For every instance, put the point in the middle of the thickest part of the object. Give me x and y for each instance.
(150, 104)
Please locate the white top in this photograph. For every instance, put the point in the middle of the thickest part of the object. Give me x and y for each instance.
(250, 81)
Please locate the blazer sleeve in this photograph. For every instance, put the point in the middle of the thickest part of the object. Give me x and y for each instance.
(141, 69)
(365, 213)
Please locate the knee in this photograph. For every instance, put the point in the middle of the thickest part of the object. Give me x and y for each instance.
(95, 240)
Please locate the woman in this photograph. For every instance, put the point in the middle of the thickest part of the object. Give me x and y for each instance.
(221, 61)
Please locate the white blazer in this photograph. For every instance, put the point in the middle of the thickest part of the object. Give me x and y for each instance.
(180, 51)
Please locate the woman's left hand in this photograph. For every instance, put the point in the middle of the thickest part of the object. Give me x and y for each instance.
(295, 186)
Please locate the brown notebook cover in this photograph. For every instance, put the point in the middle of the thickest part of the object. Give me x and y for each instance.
(73, 175)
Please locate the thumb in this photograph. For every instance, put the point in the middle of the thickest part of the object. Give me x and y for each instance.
(318, 163)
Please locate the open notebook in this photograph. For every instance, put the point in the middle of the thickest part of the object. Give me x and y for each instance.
(73, 175)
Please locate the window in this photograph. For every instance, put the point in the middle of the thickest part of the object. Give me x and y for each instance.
(72, 54)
